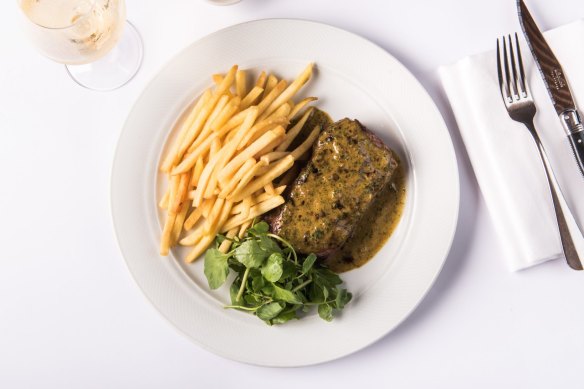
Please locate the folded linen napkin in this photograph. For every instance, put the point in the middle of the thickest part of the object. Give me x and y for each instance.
(504, 157)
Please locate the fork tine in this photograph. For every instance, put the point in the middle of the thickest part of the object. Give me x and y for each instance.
(506, 67)
(521, 70)
(514, 83)
(502, 83)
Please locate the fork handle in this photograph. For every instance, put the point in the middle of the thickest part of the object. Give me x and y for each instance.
(567, 243)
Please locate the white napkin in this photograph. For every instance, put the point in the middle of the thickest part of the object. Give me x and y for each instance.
(504, 157)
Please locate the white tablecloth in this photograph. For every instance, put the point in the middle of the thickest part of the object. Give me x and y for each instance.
(71, 315)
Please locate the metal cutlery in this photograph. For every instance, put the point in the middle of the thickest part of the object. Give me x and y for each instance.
(555, 82)
(521, 108)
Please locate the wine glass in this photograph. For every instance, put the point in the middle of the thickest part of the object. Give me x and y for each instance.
(100, 49)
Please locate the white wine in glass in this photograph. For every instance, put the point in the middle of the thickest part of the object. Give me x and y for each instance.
(100, 49)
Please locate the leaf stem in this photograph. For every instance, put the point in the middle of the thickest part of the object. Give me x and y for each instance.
(242, 286)
(242, 307)
(302, 285)
(273, 236)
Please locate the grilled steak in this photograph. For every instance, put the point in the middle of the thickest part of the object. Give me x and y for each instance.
(348, 168)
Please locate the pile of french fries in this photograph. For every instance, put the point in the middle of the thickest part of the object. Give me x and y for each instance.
(227, 164)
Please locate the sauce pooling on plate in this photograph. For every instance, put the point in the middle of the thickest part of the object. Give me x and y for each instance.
(375, 228)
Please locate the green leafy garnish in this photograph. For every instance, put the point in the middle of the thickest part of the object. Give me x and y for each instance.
(273, 282)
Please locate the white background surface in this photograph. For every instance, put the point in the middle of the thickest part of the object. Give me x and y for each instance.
(72, 317)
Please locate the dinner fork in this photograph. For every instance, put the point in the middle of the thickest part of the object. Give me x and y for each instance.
(521, 108)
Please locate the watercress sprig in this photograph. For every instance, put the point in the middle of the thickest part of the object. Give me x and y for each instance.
(272, 281)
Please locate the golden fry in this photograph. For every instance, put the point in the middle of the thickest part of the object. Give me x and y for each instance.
(206, 111)
(172, 156)
(261, 81)
(243, 228)
(261, 128)
(197, 170)
(249, 152)
(274, 156)
(279, 168)
(298, 107)
(307, 144)
(290, 91)
(213, 219)
(251, 97)
(202, 210)
(178, 223)
(164, 200)
(226, 244)
(199, 248)
(231, 185)
(270, 97)
(189, 160)
(294, 131)
(270, 84)
(255, 211)
(240, 83)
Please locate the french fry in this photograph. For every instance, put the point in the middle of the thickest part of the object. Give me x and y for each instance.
(251, 97)
(247, 204)
(215, 146)
(231, 185)
(165, 241)
(206, 130)
(270, 146)
(269, 188)
(223, 216)
(243, 228)
(307, 144)
(201, 210)
(294, 131)
(228, 111)
(240, 83)
(178, 223)
(206, 111)
(274, 156)
(249, 152)
(164, 200)
(255, 211)
(229, 150)
(197, 170)
(283, 110)
(289, 176)
(172, 156)
(199, 248)
(261, 81)
(213, 219)
(260, 128)
(234, 122)
(290, 91)
(189, 160)
(298, 107)
(181, 193)
(226, 244)
(204, 180)
(270, 98)
(240, 207)
(217, 78)
(247, 177)
(270, 84)
(194, 236)
(278, 169)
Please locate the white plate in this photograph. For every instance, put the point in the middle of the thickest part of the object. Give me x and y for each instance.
(354, 78)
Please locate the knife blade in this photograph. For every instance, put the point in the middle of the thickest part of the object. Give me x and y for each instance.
(555, 81)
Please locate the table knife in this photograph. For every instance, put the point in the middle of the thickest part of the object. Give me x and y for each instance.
(555, 82)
